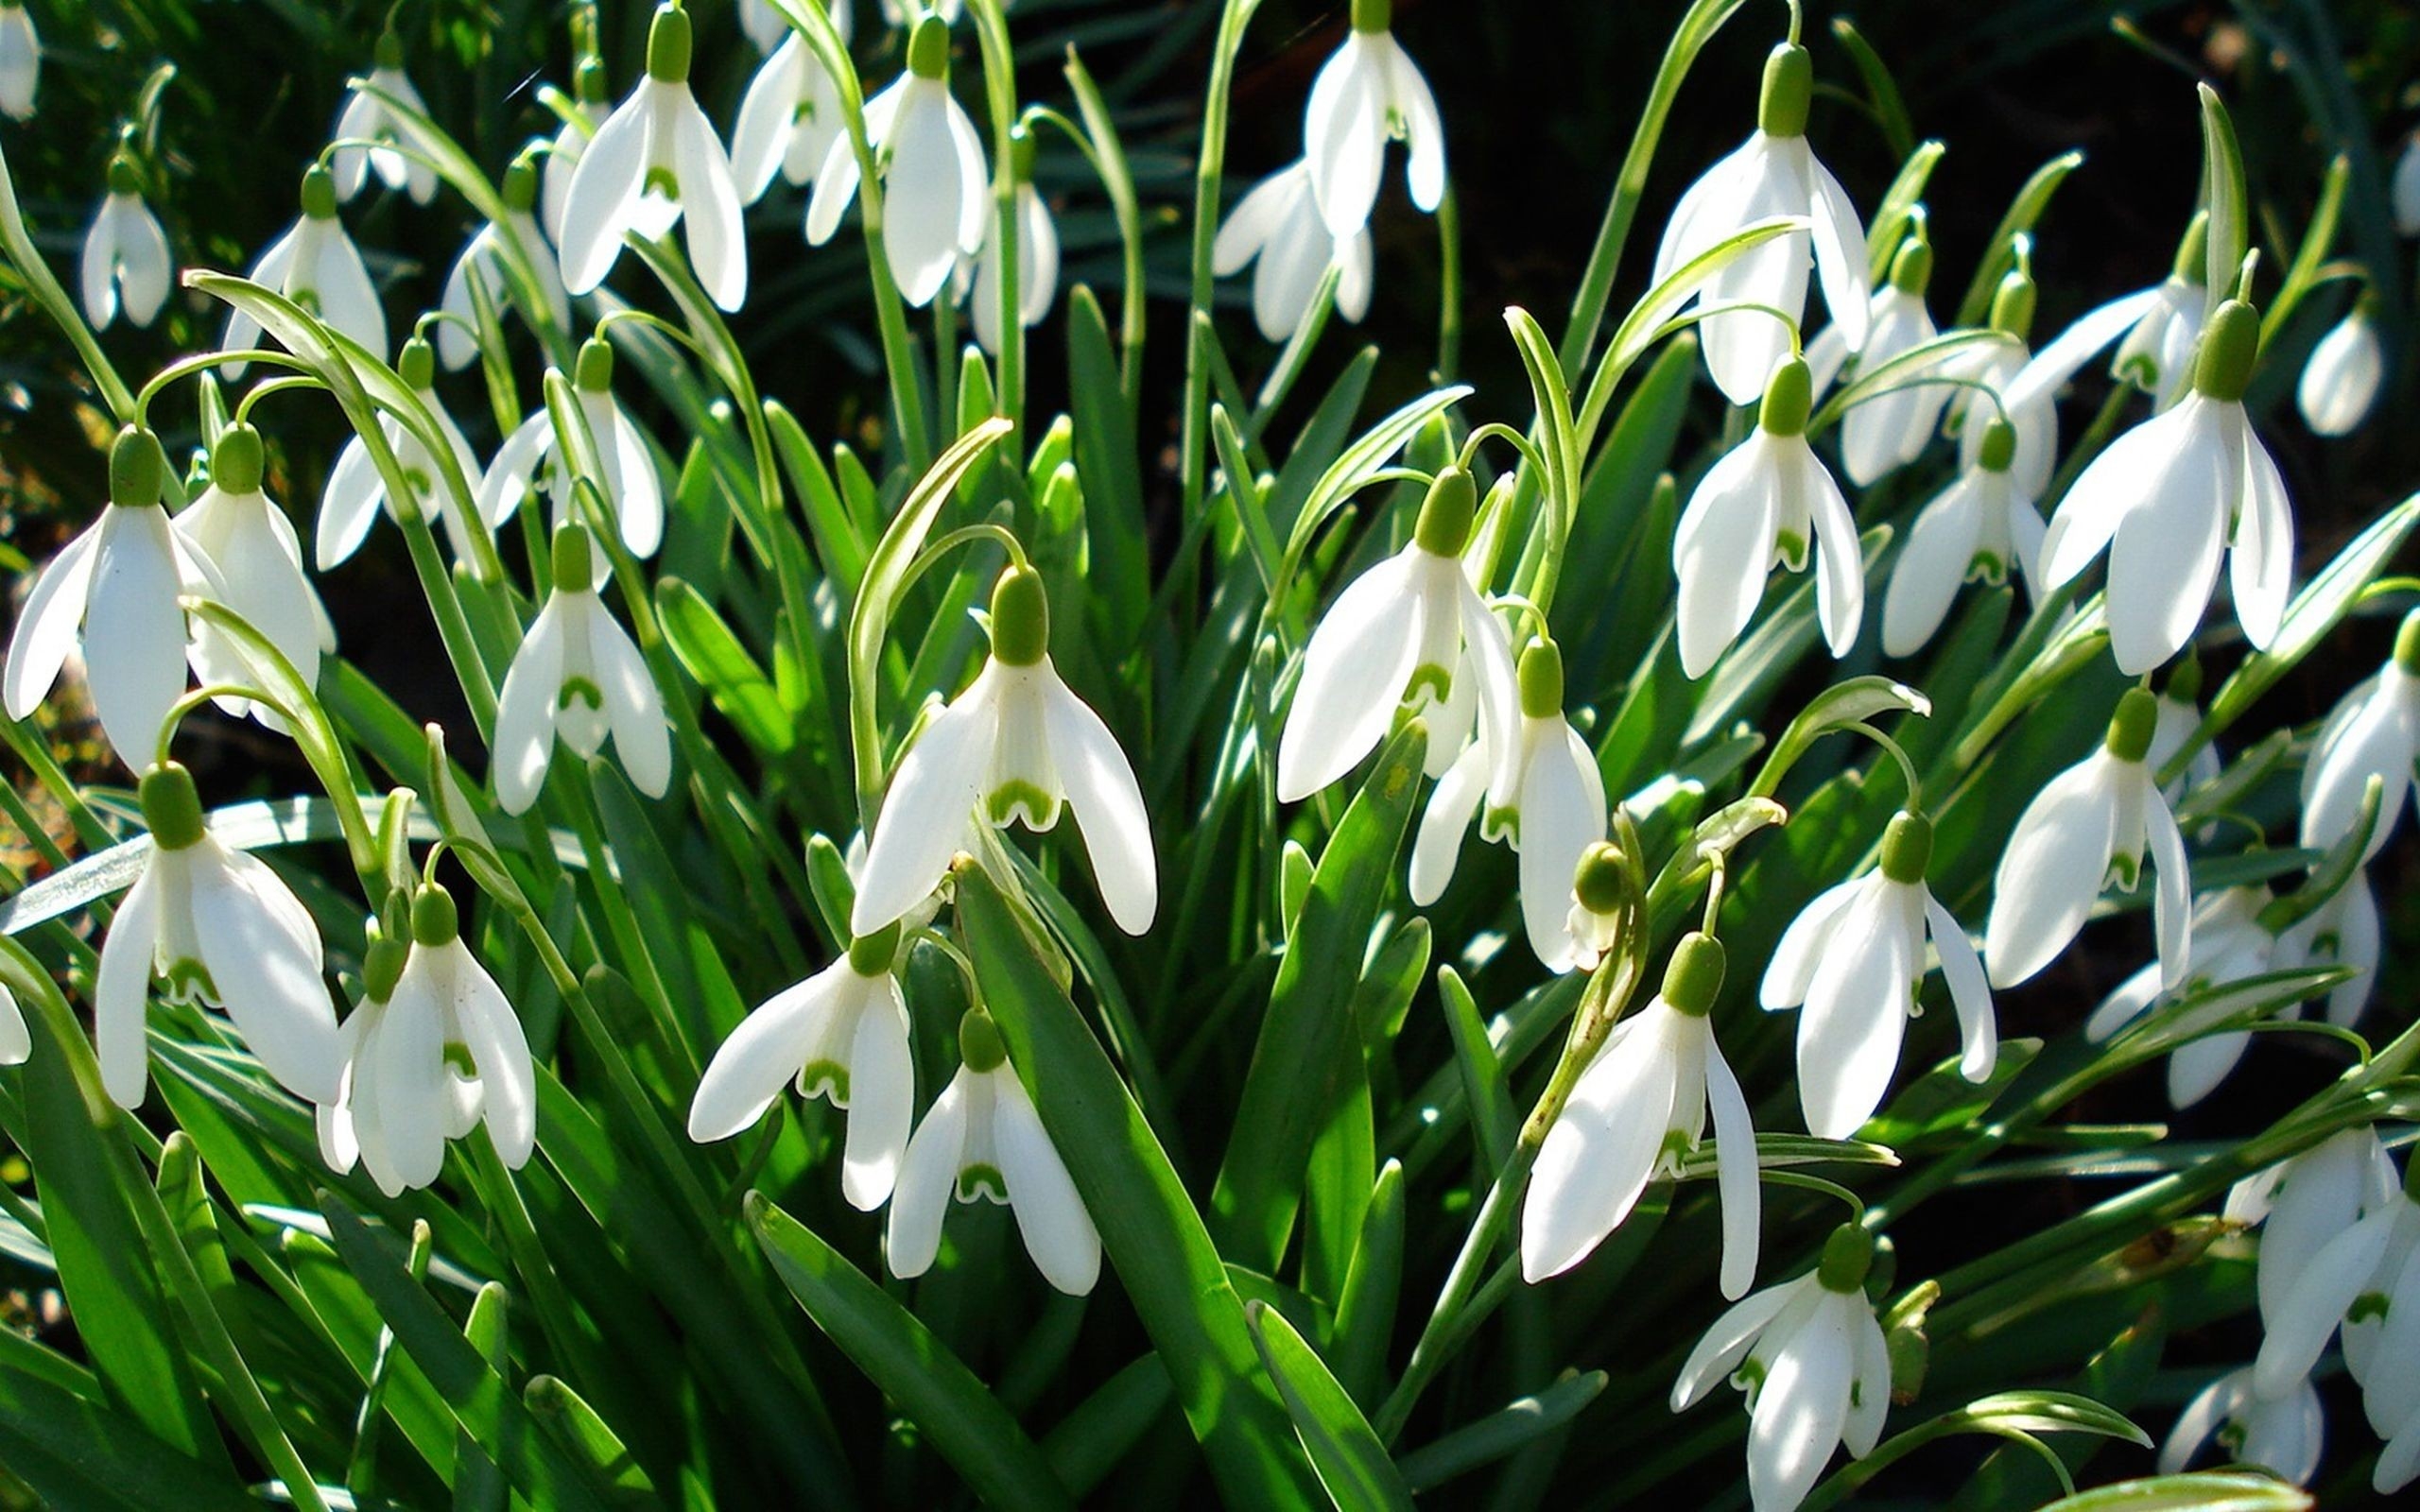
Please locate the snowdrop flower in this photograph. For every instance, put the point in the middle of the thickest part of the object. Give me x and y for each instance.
(20, 60)
(368, 132)
(2156, 330)
(654, 162)
(2342, 377)
(1890, 429)
(933, 176)
(1972, 531)
(1774, 173)
(433, 1051)
(2344, 930)
(768, 28)
(841, 1034)
(2304, 1204)
(126, 253)
(1037, 254)
(791, 115)
(484, 263)
(1854, 958)
(632, 488)
(114, 590)
(982, 1138)
(1370, 91)
(250, 545)
(2230, 943)
(2037, 419)
(1769, 500)
(2089, 827)
(1406, 631)
(1558, 811)
(1636, 1111)
(1814, 1365)
(356, 491)
(2374, 731)
(2355, 1263)
(1016, 744)
(2281, 1435)
(570, 144)
(2180, 715)
(218, 927)
(2168, 497)
(1279, 224)
(2381, 1327)
(316, 266)
(577, 676)
(2406, 192)
(16, 1040)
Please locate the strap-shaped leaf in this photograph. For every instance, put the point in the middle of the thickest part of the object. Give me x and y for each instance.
(1345, 1449)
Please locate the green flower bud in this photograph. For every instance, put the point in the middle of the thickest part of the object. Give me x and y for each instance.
(1790, 395)
(520, 187)
(1020, 618)
(171, 807)
(588, 81)
(319, 194)
(1444, 524)
(928, 48)
(2013, 305)
(137, 469)
(2223, 369)
(1789, 88)
(2131, 727)
(1847, 1255)
(417, 366)
(235, 460)
(1999, 445)
(1694, 976)
(871, 954)
(573, 560)
(1602, 882)
(1907, 847)
(979, 1042)
(382, 967)
(435, 920)
(594, 372)
(667, 45)
(1541, 680)
(1912, 268)
(2184, 684)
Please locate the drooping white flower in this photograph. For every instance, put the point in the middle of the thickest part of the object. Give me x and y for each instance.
(655, 162)
(2037, 418)
(250, 545)
(1037, 255)
(2303, 1204)
(113, 592)
(368, 132)
(2168, 498)
(1814, 1364)
(356, 491)
(570, 144)
(841, 1034)
(1773, 173)
(218, 927)
(2342, 931)
(1768, 500)
(1406, 630)
(2374, 732)
(1368, 92)
(633, 491)
(126, 263)
(2406, 191)
(1016, 744)
(484, 262)
(2281, 1435)
(982, 1139)
(1639, 1108)
(2156, 330)
(2351, 1264)
(577, 676)
(20, 60)
(790, 116)
(2087, 828)
(1854, 958)
(2381, 1327)
(2230, 944)
(1890, 429)
(2342, 375)
(316, 265)
(1975, 530)
(433, 1051)
(933, 178)
(1278, 223)
(2180, 715)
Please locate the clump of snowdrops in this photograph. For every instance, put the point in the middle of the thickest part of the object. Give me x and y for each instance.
(1425, 921)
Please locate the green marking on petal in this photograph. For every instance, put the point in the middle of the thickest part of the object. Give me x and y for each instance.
(824, 1078)
(662, 181)
(2125, 872)
(581, 689)
(458, 1058)
(1018, 798)
(982, 1180)
(1987, 567)
(308, 298)
(188, 982)
(2366, 1306)
(1791, 548)
(1428, 682)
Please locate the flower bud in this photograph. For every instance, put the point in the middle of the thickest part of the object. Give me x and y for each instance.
(1541, 680)
(171, 807)
(1789, 88)
(137, 467)
(2184, 684)
(520, 187)
(1373, 16)
(390, 50)
(1999, 445)
(1848, 1254)
(1020, 618)
(382, 967)
(435, 920)
(979, 1042)
(1907, 847)
(1444, 525)
(1912, 268)
(2013, 305)
(1694, 977)
(1602, 883)
(667, 45)
(2131, 727)
(235, 460)
(574, 561)
(417, 366)
(588, 81)
(125, 175)
(1790, 394)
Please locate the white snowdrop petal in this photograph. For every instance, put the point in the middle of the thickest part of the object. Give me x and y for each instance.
(2214, 1405)
(1870, 1388)
(1840, 562)
(1856, 1015)
(48, 624)
(1424, 127)
(525, 712)
(2050, 874)
(1599, 1156)
(267, 977)
(2171, 901)
(1107, 803)
(1354, 673)
(764, 128)
(710, 221)
(500, 1049)
(642, 737)
(1563, 812)
(1728, 1342)
(1931, 566)
(511, 478)
(760, 1057)
(2340, 379)
(1344, 135)
(882, 1098)
(1720, 552)
(925, 814)
(2054, 365)
(1800, 1410)
(2324, 1289)
(1735, 1177)
(1255, 218)
(1970, 994)
(927, 1178)
(408, 1074)
(974, 198)
(1840, 252)
(603, 195)
(1803, 946)
(1445, 822)
(2262, 563)
(1057, 1233)
(925, 191)
(122, 991)
(134, 632)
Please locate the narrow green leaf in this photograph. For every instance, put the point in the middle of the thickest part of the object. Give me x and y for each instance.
(2207, 1491)
(1345, 1451)
(76, 1454)
(1492, 1119)
(1365, 1314)
(1881, 89)
(1109, 458)
(2227, 198)
(1500, 1432)
(723, 666)
(1999, 255)
(1899, 205)
(576, 1424)
(1090, 1441)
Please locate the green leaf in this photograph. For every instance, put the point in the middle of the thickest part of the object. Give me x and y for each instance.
(1090, 1441)
(1354, 466)
(1999, 255)
(1651, 318)
(1109, 458)
(2207, 1491)
(76, 1454)
(1881, 89)
(1365, 1313)
(1492, 1114)
(1900, 203)
(1345, 1449)
(1500, 1432)
(2319, 238)
(2227, 198)
(723, 666)
(576, 1425)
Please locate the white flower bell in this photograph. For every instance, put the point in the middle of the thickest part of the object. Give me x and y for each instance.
(1774, 173)
(982, 1139)
(433, 1051)
(591, 106)
(1016, 744)
(1768, 500)
(1890, 429)
(790, 116)
(2169, 497)
(1639, 1108)
(16, 1040)
(2342, 375)
(126, 263)
(20, 60)
(252, 548)
(1557, 811)
(1368, 92)
(2357, 1261)
(1814, 1364)
(1278, 223)
(841, 1034)
(2382, 1339)
(2342, 931)
(356, 491)
(1037, 254)
(2305, 1202)
(1406, 630)
(633, 491)
(657, 161)
(1854, 958)
(2089, 827)
(934, 184)
(2374, 732)
(484, 262)
(316, 265)
(2156, 330)
(577, 676)
(1975, 530)
(114, 590)
(1602, 886)
(218, 927)
(2231, 942)
(2281, 1435)
(2037, 419)
(2180, 716)
(370, 135)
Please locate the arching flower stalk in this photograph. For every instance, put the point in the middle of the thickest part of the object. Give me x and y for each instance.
(1277, 227)
(933, 178)
(356, 491)
(368, 132)
(315, 264)
(578, 676)
(633, 489)
(484, 262)
(126, 263)
(1367, 92)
